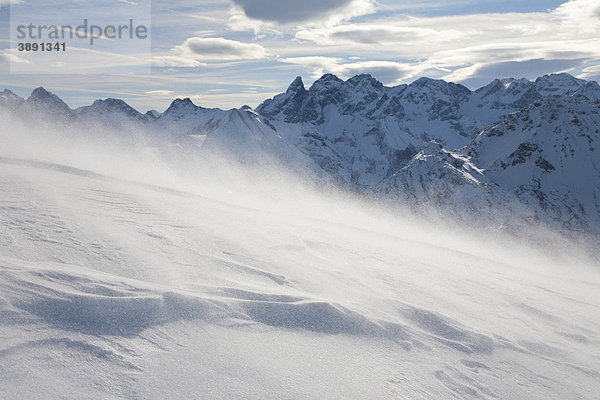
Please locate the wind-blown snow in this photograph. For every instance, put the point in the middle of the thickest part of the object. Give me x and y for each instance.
(424, 145)
(114, 284)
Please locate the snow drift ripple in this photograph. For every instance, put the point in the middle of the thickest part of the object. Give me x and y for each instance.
(107, 305)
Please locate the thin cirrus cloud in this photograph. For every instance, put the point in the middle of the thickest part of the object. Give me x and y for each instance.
(369, 34)
(197, 51)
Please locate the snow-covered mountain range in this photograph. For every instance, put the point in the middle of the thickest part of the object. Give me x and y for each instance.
(514, 149)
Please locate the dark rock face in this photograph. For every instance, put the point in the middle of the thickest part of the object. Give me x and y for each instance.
(523, 153)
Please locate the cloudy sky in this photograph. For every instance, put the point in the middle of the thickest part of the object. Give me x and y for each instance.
(227, 53)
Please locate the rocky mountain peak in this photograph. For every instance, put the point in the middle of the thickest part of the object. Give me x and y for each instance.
(365, 79)
(43, 101)
(110, 108)
(10, 100)
(181, 105)
(41, 95)
(296, 86)
(326, 82)
(152, 115)
(557, 84)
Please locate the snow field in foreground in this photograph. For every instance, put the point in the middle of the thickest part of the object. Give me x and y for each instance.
(111, 289)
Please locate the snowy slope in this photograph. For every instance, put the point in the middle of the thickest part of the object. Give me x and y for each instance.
(547, 155)
(491, 103)
(237, 134)
(557, 84)
(113, 289)
(445, 180)
(538, 165)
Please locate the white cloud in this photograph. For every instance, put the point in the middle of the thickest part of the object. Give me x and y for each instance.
(369, 34)
(579, 16)
(193, 52)
(160, 92)
(176, 61)
(481, 74)
(318, 64)
(591, 72)
(466, 63)
(388, 72)
(470, 45)
(8, 57)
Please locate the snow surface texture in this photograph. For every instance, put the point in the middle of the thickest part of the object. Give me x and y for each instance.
(167, 256)
(111, 289)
